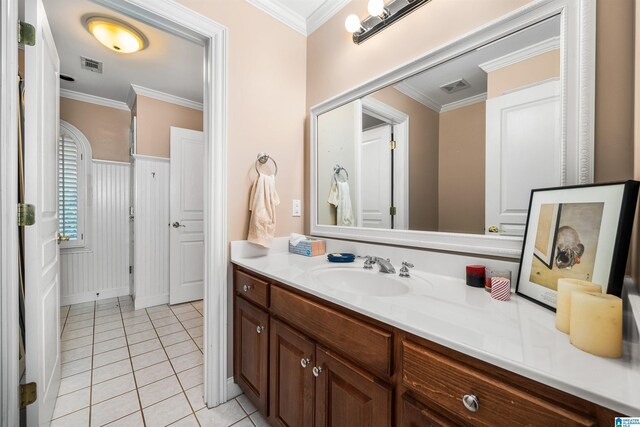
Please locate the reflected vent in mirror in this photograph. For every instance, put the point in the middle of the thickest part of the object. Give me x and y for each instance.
(91, 64)
(456, 86)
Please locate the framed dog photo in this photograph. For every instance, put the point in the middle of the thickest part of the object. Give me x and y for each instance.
(580, 232)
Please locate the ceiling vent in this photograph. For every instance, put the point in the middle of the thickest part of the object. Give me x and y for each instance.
(91, 64)
(456, 86)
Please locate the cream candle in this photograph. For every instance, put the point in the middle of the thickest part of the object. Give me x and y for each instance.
(596, 323)
(563, 303)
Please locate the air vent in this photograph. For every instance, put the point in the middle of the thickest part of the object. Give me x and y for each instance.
(91, 64)
(456, 86)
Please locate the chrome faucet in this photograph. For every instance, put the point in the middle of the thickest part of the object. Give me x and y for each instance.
(384, 265)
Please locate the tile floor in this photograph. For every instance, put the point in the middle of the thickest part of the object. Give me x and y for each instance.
(125, 367)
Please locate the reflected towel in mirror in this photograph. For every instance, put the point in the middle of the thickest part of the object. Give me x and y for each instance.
(340, 198)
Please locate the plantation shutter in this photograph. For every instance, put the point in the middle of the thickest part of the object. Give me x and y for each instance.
(68, 159)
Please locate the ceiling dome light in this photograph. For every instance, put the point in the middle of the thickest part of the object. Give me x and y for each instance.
(375, 7)
(116, 35)
(352, 23)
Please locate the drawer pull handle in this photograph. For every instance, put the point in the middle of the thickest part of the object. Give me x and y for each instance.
(470, 401)
(259, 329)
(317, 370)
(247, 288)
(304, 362)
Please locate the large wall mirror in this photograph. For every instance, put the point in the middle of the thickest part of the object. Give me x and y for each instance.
(443, 152)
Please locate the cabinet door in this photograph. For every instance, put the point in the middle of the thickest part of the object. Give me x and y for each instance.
(415, 414)
(291, 380)
(347, 396)
(251, 352)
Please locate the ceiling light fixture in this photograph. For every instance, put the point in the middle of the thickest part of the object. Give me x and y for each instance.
(381, 15)
(115, 34)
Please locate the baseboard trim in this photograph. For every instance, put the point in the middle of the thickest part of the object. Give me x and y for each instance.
(91, 296)
(233, 389)
(150, 301)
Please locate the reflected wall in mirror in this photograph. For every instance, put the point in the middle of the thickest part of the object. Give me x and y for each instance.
(455, 148)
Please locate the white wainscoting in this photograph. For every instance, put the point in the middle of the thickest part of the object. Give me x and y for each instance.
(151, 231)
(101, 269)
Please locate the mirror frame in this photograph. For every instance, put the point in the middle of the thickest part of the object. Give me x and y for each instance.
(577, 76)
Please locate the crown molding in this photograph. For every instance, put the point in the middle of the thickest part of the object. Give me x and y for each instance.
(92, 99)
(522, 54)
(136, 90)
(324, 13)
(282, 14)
(481, 97)
(416, 95)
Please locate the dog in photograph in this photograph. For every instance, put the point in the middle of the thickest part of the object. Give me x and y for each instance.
(569, 249)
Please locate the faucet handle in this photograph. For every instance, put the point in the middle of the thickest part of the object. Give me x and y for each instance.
(369, 261)
(404, 271)
(407, 264)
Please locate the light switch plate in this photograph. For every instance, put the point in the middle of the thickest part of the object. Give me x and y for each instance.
(296, 209)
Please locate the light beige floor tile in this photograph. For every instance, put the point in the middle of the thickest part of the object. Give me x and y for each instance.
(191, 377)
(188, 421)
(182, 308)
(196, 332)
(157, 308)
(75, 354)
(160, 314)
(199, 341)
(189, 315)
(135, 320)
(113, 370)
(187, 361)
(106, 301)
(167, 411)
(112, 388)
(133, 420)
(259, 420)
(164, 321)
(76, 343)
(144, 347)
(175, 338)
(221, 416)
(245, 422)
(78, 325)
(135, 313)
(77, 419)
(125, 308)
(138, 327)
(75, 367)
(108, 319)
(246, 404)
(110, 356)
(196, 397)
(148, 359)
(71, 402)
(169, 329)
(107, 312)
(108, 326)
(109, 345)
(74, 311)
(181, 348)
(108, 335)
(198, 304)
(153, 373)
(77, 333)
(141, 336)
(159, 390)
(113, 409)
(193, 323)
(79, 318)
(74, 382)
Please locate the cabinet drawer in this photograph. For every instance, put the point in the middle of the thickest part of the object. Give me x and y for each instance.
(415, 414)
(252, 288)
(361, 342)
(445, 382)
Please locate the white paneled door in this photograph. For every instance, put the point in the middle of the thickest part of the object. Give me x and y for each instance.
(42, 255)
(186, 236)
(376, 180)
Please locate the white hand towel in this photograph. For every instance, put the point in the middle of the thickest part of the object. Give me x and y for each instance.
(262, 204)
(340, 198)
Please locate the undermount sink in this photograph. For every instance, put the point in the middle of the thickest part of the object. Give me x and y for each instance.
(361, 282)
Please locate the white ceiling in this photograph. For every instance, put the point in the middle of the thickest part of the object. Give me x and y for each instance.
(304, 16)
(425, 87)
(169, 64)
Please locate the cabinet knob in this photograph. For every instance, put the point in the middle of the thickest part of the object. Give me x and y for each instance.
(259, 329)
(304, 362)
(316, 371)
(470, 401)
(247, 288)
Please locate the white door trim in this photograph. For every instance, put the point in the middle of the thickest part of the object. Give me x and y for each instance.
(9, 371)
(176, 18)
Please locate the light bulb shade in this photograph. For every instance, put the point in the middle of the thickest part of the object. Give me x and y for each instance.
(375, 7)
(352, 23)
(115, 35)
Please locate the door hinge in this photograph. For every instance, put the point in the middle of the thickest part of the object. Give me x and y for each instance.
(392, 210)
(26, 214)
(26, 34)
(131, 269)
(392, 144)
(28, 394)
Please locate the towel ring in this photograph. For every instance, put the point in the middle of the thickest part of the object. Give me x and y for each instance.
(336, 172)
(264, 158)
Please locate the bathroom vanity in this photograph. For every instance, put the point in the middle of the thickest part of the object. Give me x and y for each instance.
(312, 349)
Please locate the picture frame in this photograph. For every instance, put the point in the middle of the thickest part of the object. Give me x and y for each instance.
(580, 232)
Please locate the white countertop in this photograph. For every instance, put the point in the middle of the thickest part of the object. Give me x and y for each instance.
(517, 335)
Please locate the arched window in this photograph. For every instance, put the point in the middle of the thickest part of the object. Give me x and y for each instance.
(74, 173)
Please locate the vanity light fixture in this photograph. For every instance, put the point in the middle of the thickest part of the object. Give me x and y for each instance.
(115, 34)
(381, 15)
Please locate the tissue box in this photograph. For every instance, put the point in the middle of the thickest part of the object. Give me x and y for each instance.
(308, 247)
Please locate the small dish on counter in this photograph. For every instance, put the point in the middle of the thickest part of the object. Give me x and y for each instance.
(341, 257)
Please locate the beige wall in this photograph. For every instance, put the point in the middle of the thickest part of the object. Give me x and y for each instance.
(107, 129)
(462, 171)
(154, 121)
(523, 73)
(423, 158)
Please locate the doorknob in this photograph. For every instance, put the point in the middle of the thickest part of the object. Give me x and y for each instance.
(62, 238)
(494, 229)
(177, 225)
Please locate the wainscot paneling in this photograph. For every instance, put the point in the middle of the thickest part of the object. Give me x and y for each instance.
(101, 269)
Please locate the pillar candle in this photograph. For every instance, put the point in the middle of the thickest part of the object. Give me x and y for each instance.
(596, 323)
(563, 305)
